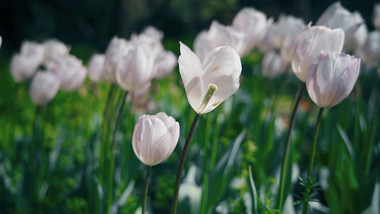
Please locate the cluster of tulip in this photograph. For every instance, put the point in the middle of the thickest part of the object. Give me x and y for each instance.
(50, 66)
(211, 73)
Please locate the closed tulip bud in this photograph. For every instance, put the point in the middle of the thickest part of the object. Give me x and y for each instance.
(209, 83)
(370, 52)
(155, 138)
(44, 87)
(252, 23)
(135, 69)
(289, 30)
(96, 67)
(309, 46)
(1, 41)
(164, 64)
(115, 50)
(376, 16)
(271, 39)
(70, 71)
(218, 35)
(25, 64)
(352, 24)
(273, 65)
(54, 48)
(332, 78)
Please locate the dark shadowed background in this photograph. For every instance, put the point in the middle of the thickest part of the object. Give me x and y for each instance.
(92, 23)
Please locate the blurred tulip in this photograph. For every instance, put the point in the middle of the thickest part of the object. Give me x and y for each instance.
(135, 69)
(218, 35)
(252, 23)
(25, 64)
(115, 50)
(155, 138)
(219, 72)
(69, 70)
(352, 24)
(370, 52)
(96, 67)
(332, 78)
(271, 40)
(376, 16)
(273, 65)
(289, 30)
(153, 33)
(164, 64)
(1, 41)
(309, 46)
(54, 48)
(44, 87)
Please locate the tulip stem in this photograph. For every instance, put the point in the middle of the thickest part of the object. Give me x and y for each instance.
(182, 163)
(285, 158)
(113, 149)
(146, 185)
(309, 182)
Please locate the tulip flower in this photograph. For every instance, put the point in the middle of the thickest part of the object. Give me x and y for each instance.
(209, 83)
(289, 29)
(96, 67)
(164, 64)
(54, 48)
(352, 24)
(44, 87)
(153, 33)
(135, 69)
(309, 46)
(370, 52)
(253, 24)
(154, 138)
(271, 40)
(332, 78)
(273, 65)
(376, 16)
(1, 41)
(114, 52)
(25, 64)
(218, 35)
(70, 71)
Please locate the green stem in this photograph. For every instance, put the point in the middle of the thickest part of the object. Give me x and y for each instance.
(285, 158)
(146, 185)
(182, 163)
(309, 181)
(113, 149)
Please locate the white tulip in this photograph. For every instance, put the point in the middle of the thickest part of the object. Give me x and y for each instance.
(289, 29)
(1, 41)
(352, 24)
(252, 23)
(332, 78)
(376, 16)
(273, 65)
(271, 39)
(155, 138)
(70, 71)
(218, 35)
(135, 69)
(96, 67)
(25, 64)
(153, 33)
(115, 50)
(164, 64)
(309, 46)
(209, 83)
(44, 87)
(370, 52)
(54, 48)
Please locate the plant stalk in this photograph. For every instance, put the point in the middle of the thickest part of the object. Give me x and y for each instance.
(146, 185)
(182, 163)
(309, 181)
(285, 158)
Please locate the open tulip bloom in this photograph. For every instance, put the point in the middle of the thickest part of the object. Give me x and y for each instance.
(332, 79)
(209, 83)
